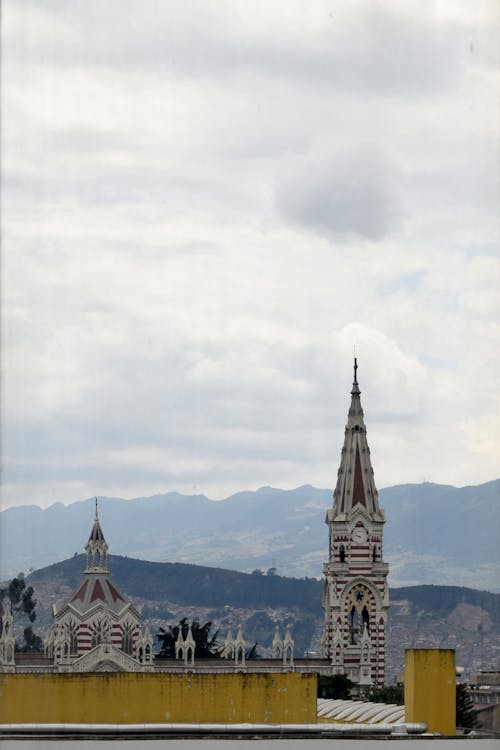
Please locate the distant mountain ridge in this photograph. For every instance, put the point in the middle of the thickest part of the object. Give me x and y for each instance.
(434, 533)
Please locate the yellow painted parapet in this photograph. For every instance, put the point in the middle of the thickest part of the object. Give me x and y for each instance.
(430, 690)
(132, 698)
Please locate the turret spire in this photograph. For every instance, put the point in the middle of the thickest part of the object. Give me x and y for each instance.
(96, 548)
(355, 481)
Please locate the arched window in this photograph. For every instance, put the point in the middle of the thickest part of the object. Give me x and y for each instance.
(354, 627)
(128, 638)
(97, 634)
(342, 553)
(365, 618)
(73, 638)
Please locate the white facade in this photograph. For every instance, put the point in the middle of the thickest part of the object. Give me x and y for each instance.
(356, 595)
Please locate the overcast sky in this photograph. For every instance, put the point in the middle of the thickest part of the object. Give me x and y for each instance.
(207, 205)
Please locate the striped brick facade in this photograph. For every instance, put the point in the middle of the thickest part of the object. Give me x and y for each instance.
(97, 614)
(356, 598)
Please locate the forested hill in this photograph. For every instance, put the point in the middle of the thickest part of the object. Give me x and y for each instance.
(424, 616)
(441, 600)
(198, 586)
(193, 585)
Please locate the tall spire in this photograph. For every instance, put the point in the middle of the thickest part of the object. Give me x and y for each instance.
(355, 481)
(96, 548)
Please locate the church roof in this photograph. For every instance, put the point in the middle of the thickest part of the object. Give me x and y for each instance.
(355, 481)
(96, 534)
(97, 588)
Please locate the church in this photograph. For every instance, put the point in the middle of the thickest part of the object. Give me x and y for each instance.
(99, 630)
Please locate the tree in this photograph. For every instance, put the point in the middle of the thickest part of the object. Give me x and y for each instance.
(466, 716)
(207, 647)
(20, 599)
(386, 694)
(32, 642)
(252, 652)
(337, 686)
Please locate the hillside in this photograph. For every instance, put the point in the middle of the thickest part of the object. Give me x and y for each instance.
(429, 527)
(432, 616)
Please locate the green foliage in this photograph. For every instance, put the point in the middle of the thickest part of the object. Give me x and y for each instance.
(337, 686)
(32, 642)
(20, 599)
(252, 653)
(206, 646)
(466, 713)
(387, 694)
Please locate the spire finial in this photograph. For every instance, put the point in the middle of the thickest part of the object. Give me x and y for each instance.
(356, 370)
(96, 511)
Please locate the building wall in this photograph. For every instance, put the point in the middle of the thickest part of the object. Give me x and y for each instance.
(430, 689)
(122, 698)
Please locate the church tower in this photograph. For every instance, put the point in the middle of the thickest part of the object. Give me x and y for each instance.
(98, 629)
(356, 595)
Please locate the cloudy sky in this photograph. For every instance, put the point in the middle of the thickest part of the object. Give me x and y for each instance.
(208, 204)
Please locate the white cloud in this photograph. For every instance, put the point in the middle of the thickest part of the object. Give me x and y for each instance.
(205, 209)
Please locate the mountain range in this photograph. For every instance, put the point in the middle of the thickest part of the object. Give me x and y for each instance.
(434, 533)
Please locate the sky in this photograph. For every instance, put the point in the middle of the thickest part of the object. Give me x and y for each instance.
(207, 206)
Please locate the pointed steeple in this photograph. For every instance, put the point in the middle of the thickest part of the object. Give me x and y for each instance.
(96, 548)
(355, 482)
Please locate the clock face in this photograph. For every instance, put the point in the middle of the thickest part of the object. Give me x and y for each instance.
(359, 535)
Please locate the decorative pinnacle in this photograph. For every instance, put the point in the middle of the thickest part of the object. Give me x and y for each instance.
(355, 387)
(96, 511)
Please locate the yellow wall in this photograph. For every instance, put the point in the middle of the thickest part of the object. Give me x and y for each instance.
(430, 688)
(112, 697)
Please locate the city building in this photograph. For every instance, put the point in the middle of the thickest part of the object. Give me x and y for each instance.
(356, 594)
